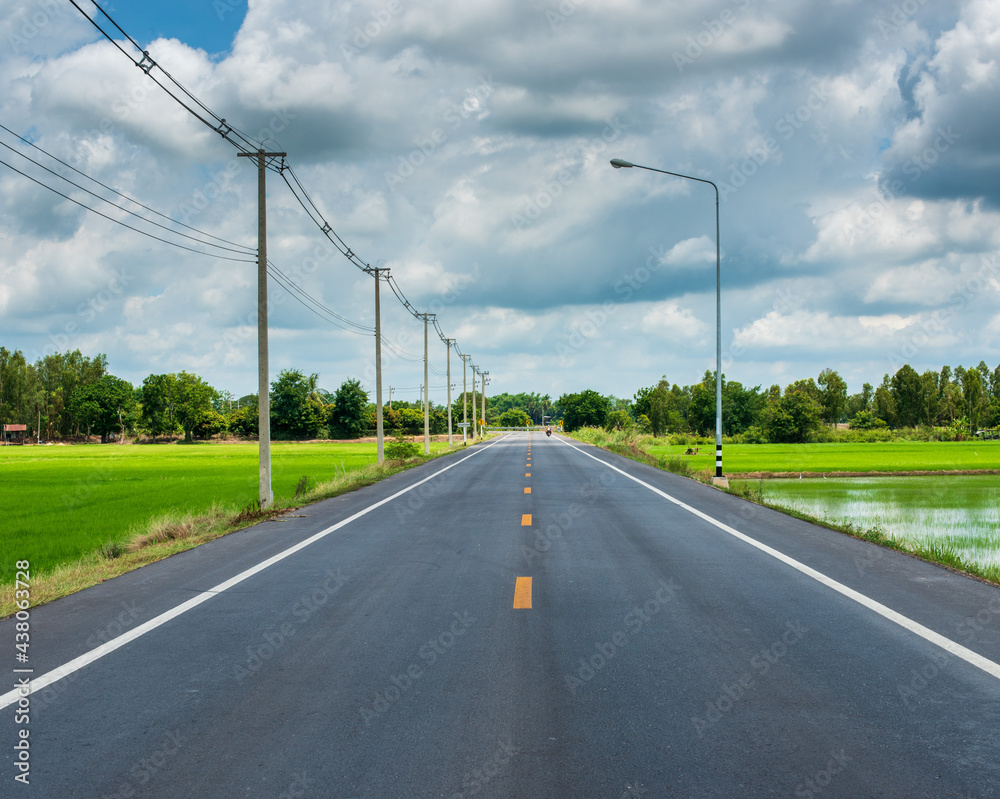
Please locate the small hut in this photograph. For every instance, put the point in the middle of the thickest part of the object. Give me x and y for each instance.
(15, 433)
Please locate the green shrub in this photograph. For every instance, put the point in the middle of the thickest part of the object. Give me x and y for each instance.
(400, 448)
(619, 420)
(752, 435)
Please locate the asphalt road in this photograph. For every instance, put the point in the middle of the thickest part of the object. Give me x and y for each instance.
(594, 637)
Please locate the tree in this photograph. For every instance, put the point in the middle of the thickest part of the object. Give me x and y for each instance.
(658, 408)
(19, 389)
(56, 376)
(929, 390)
(192, 398)
(514, 417)
(245, 421)
(833, 395)
(908, 395)
(619, 420)
(586, 409)
(793, 419)
(411, 421)
(949, 406)
(655, 404)
(976, 399)
(859, 402)
(741, 407)
(104, 407)
(295, 412)
(866, 420)
(702, 410)
(157, 396)
(883, 403)
(211, 423)
(346, 418)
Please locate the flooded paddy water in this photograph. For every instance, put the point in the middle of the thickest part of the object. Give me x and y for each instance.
(960, 511)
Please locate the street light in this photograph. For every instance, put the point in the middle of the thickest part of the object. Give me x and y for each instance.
(618, 163)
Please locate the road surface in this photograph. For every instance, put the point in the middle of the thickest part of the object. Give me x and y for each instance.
(526, 618)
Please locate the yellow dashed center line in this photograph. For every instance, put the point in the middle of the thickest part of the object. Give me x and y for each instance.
(522, 593)
(522, 588)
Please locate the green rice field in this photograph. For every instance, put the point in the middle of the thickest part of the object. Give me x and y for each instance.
(959, 511)
(63, 502)
(893, 456)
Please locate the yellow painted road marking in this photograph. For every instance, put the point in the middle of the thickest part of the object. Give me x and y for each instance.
(522, 593)
(526, 520)
(527, 474)
(527, 491)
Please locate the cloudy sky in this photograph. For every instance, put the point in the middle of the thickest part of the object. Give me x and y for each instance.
(466, 147)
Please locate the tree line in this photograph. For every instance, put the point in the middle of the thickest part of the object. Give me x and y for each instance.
(955, 402)
(69, 395)
(66, 395)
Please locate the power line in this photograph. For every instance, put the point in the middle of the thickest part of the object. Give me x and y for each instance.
(280, 277)
(245, 144)
(401, 354)
(238, 249)
(147, 64)
(314, 305)
(123, 224)
(115, 191)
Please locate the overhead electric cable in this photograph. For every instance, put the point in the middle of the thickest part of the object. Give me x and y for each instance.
(146, 64)
(288, 283)
(245, 144)
(398, 354)
(299, 294)
(123, 224)
(241, 250)
(120, 194)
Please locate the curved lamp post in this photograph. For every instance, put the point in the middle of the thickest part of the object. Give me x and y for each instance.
(618, 163)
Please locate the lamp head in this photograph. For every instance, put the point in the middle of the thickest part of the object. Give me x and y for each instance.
(618, 163)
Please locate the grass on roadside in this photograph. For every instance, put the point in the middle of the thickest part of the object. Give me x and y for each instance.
(629, 444)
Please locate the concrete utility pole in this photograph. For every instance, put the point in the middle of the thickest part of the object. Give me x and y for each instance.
(379, 429)
(427, 385)
(465, 400)
(263, 376)
(475, 426)
(483, 394)
(448, 342)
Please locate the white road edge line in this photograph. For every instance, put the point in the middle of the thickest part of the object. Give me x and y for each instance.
(37, 684)
(973, 658)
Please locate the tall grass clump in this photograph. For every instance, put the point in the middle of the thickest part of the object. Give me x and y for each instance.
(625, 442)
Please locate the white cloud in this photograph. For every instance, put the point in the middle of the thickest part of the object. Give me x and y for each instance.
(668, 319)
(884, 336)
(691, 251)
(508, 216)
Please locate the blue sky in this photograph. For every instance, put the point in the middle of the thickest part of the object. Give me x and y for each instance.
(466, 147)
(207, 24)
